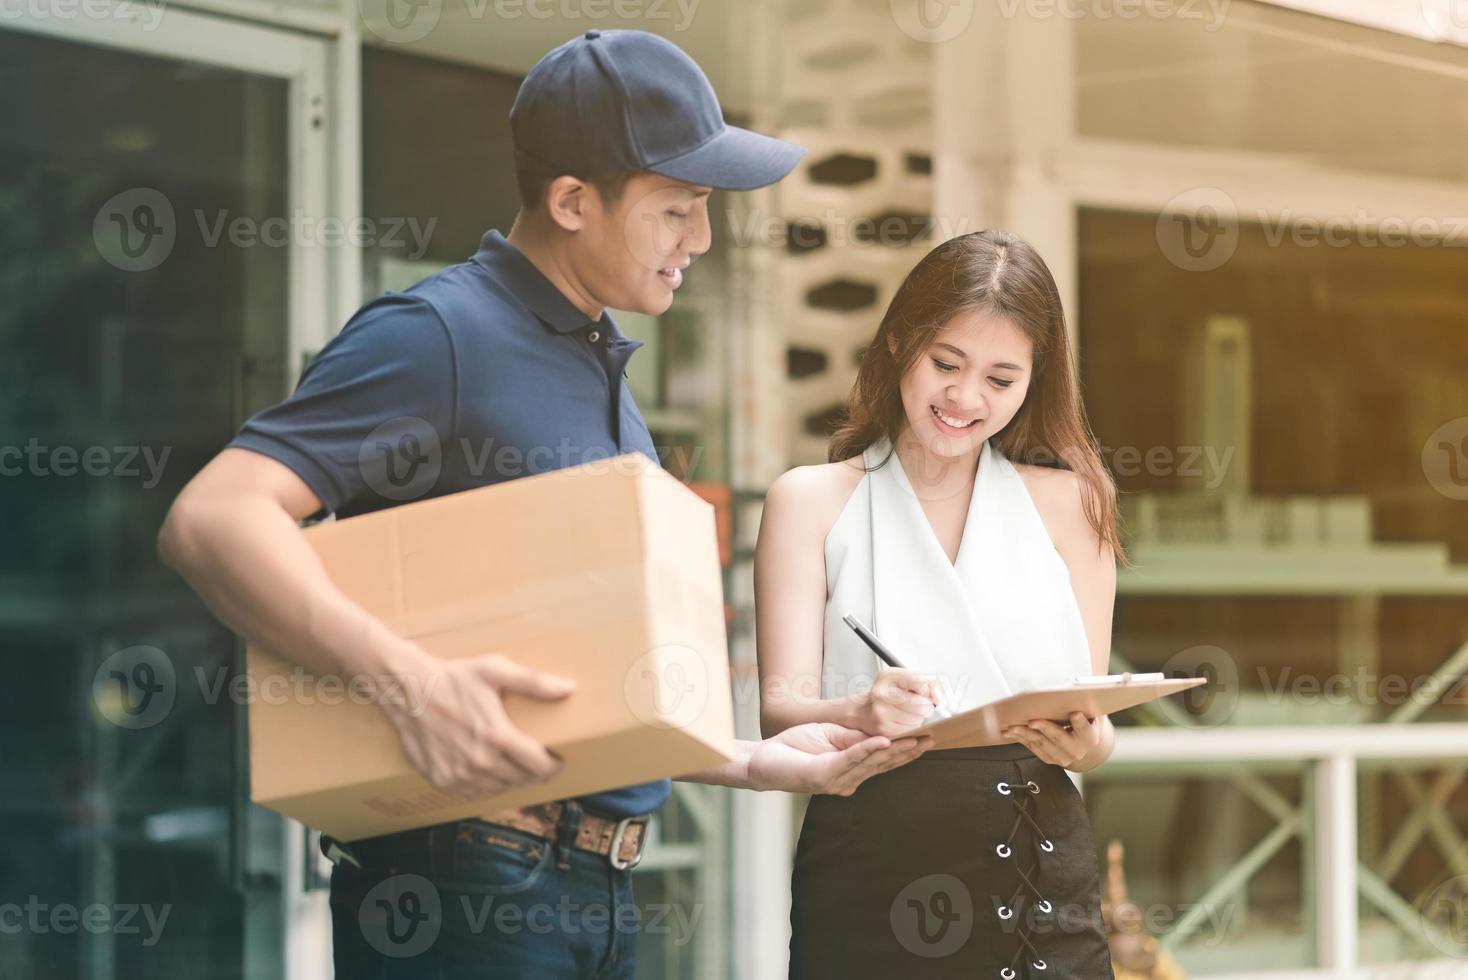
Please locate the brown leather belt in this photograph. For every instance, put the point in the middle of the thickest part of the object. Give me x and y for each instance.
(621, 841)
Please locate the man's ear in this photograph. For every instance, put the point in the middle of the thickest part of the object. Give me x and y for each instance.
(565, 202)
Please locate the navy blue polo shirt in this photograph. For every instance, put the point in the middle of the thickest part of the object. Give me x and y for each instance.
(481, 373)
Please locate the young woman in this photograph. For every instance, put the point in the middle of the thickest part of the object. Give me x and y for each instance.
(967, 519)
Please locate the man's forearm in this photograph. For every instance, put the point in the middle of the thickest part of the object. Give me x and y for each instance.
(733, 773)
(249, 562)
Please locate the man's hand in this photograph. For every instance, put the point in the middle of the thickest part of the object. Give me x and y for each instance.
(458, 735)
(823, 757)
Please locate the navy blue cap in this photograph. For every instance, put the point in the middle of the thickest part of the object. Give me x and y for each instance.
(616, 101)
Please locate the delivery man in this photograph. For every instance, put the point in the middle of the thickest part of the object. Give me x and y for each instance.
(501, 366)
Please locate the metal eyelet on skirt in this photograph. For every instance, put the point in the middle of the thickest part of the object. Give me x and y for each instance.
(1046, 845)
(1002, 788)
(1005, 912)
(1033, 787)
(1007, 974)
(1003, 850)
(1038, 964)
(1044, 906)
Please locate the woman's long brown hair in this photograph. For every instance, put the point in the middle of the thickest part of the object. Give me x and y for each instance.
(996, 273)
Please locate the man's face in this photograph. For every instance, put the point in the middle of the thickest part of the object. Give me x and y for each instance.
(632, 254)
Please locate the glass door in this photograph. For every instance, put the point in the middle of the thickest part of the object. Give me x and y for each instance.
(158, 181)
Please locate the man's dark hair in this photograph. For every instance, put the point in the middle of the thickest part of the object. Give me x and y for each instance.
(533, 184)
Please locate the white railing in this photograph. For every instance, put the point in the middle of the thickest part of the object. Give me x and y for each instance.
(1333, 754)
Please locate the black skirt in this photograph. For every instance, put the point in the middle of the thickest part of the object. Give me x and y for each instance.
(973, 863)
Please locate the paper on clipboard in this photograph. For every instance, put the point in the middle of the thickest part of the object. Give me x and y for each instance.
(1093, 696)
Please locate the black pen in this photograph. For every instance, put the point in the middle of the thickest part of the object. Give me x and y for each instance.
(883, 654)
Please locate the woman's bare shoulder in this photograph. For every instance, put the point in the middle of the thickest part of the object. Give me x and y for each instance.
(1059, 496)
(812, 497)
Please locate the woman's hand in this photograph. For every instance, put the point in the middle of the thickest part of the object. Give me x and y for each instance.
(1053, 744)
(898, 701)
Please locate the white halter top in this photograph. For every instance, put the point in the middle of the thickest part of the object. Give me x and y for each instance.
(1000, 620)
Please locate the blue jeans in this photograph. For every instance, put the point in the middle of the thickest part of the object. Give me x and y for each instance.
(476, 901)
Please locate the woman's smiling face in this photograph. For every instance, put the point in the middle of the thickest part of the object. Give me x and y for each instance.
(968, 384)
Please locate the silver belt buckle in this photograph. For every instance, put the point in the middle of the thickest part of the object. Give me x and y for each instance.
(620, 831)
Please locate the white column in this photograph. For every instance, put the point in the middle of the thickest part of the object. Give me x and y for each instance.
(1003, 115)
(1335, 863)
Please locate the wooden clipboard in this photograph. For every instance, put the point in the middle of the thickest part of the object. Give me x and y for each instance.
(982, 725)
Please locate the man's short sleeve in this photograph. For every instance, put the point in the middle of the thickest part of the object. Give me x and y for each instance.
(367, 424)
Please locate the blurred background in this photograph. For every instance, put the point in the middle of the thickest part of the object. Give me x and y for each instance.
(1257, 213)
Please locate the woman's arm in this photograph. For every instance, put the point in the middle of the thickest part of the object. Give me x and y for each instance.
(790, 601)
(1060, 497)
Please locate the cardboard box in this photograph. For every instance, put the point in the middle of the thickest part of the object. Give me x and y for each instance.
(607, 572)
